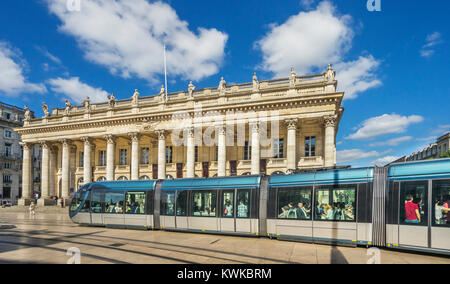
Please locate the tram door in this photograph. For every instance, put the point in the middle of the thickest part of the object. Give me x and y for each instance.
(235, 207)
(440, 228)
(98, 200)
(414, 214)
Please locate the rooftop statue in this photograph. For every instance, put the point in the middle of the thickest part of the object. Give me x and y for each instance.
(45, 109)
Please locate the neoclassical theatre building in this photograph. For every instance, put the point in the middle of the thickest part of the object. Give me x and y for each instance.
(269, 127)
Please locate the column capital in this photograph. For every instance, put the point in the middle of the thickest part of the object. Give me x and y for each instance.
(110, 139)
(161, 134)
(330, 121)
(45, 144)
(87, 140)
(134, 136)
(26, 145)
(255, 126)
(65, 142)
(189, 131)
(291, 123)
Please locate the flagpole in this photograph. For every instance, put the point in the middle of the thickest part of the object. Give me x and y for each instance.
(165, 72)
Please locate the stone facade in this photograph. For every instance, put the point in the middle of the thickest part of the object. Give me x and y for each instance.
(12, 117)
(259, 127)
(434, 151)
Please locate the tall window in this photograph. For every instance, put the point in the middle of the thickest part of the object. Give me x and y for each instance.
(310, 146)
(169, 154)
(6, 178)
(247, 151)
(81, 159)
(123, 157)
(196, 154)
(102, 158)
(8, 134)
(8, 150)
(278, 148)
(145, 156)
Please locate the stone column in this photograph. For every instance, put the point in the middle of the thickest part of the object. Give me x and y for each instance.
(26, 175)
(161, 154)
(330, 126)
(87, 163)
(256, 144)
(291, 125)
(52, 170)
(110, 154)
(190, 158)
(222, 152)
(45, 175)
(134, 155)
(65, 182)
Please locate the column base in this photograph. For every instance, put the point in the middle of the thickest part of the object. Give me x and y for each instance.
(25, 201)
(45, 202)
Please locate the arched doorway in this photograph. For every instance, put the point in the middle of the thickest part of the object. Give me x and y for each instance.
(122, 178)
(101, 179)
(144, 178)
(80, 183)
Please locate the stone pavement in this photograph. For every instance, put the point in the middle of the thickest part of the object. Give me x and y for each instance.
(46, 237)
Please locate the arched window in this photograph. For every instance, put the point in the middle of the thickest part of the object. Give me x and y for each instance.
(101, 179)
(122, 178)
(277, 173)
(80, 183)
(247, 174)
(169, 177)
(214, 176)
(144, 178)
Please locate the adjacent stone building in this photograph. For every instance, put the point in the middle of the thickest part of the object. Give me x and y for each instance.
(268, 127)
(12, 117)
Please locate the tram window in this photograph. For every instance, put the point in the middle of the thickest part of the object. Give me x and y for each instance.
(204, 203)
(413, 203)
(294, 203)
(336, 204)
(243, 201)
(135, 203)
(228, 204)
(182, 203)
(114, 202)
(168, 203)
(77, 200)
(96, 203)
(441, 203)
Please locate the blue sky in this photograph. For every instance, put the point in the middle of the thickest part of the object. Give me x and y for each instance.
(393, 64)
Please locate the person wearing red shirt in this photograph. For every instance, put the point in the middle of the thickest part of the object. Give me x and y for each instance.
(411, 211)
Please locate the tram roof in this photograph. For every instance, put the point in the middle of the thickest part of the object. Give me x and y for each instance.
(359, 175)
(212, 183)
(127, 185)
(430, 169)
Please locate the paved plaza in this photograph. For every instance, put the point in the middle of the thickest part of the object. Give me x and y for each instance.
(47, 236)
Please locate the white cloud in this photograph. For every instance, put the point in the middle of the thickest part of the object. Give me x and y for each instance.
(307, 4)
(441, 130)
(126, 36)
(50, 56)
(431, 41)
(77, 91)
(12, 68)
(310, 40)
(385, 160)
(354, 154)
(357, 76)
(385, 124)
(392, 142)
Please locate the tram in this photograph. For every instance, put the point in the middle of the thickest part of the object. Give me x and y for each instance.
(402, 206)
